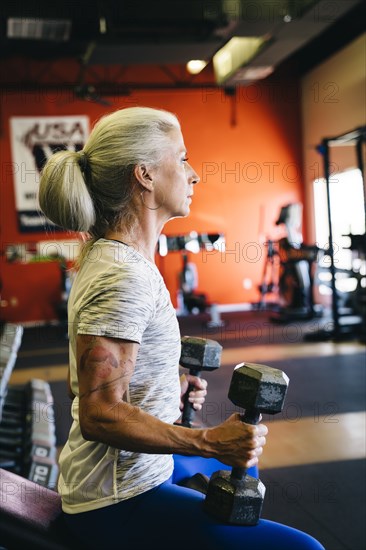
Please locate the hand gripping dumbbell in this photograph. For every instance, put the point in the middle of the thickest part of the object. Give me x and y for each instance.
(197, 355)
(235, 497)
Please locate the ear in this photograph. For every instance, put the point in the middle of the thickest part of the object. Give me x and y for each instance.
(143, 176)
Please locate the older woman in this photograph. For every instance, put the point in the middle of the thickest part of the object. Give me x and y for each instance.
(116, 469)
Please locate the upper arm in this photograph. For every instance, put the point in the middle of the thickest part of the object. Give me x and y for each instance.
(104, 366)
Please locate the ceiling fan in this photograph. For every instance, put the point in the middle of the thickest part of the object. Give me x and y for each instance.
(83, 90)
(87, 92)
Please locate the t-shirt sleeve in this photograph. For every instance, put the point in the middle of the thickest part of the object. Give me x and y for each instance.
(120, 304)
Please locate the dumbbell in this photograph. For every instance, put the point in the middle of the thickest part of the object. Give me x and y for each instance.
(39, 418)
(235, 497)
(43, 471)
(197, 355)
(11, 429)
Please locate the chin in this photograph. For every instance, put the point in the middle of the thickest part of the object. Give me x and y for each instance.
(180, 215)
(183, 212)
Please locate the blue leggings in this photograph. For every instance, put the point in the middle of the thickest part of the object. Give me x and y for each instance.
(170, 517)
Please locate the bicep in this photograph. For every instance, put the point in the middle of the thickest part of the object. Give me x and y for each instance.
(104, 366)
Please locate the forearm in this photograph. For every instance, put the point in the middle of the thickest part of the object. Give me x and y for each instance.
(127, 427)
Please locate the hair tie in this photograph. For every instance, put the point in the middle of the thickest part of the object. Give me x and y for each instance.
(83, 160)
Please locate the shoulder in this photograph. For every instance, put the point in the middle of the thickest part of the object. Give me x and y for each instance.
(110, 259)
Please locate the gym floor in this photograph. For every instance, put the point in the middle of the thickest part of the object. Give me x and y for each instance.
(314, 461)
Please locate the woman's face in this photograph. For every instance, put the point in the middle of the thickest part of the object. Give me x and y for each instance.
(174, 178)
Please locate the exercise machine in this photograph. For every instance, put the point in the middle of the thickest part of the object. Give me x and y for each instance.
(288, 270)
(269, 283)
(352, 322)
(190, 301)
(296, 268)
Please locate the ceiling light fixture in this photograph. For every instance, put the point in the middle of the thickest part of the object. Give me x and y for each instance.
(234, 55)
(252, 73)
(57, 30)
(195, 66)
(102, 25)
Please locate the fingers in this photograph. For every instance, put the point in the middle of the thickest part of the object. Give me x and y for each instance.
(252, 462)
(257, 440)
(258, 449)
(237, 443)
(261, 429)
(258, 434)
(198, 395)
(197, 398)
(197, 382)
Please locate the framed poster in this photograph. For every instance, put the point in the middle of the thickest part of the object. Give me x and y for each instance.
(33, 141)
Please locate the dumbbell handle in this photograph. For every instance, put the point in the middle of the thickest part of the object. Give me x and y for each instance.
(251, 416)
(188, 410)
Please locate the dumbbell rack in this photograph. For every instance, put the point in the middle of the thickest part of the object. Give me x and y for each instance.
(27, 420)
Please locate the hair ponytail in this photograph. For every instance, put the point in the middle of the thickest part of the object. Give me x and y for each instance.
(63, 195)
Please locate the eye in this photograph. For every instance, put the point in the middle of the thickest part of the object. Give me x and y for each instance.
(185, 159)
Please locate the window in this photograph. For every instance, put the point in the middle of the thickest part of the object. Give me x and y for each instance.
(348, 216)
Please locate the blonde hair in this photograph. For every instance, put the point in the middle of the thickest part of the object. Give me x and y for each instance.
(93, 190)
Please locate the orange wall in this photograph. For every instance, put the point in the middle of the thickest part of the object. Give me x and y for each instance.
(248, 155)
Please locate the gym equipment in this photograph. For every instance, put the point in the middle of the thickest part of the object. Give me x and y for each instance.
(358, 300)
(348, 325)
(269, 283)
(27, 423)
(189, 299)
(197, 355)
(29, 515)
(235, 497)
(295, 284)
(10, 340)
(27, 433)
(188, 283)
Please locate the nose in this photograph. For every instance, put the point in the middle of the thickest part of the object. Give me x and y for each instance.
(193, 176)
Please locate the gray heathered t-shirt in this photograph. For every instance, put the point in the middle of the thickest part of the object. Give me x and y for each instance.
(120, 294)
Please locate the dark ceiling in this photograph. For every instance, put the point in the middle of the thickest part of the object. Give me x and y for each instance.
(163, 34)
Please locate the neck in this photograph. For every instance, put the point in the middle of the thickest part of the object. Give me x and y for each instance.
(143, 237)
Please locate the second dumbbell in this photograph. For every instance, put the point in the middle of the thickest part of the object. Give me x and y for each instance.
(235, 497)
